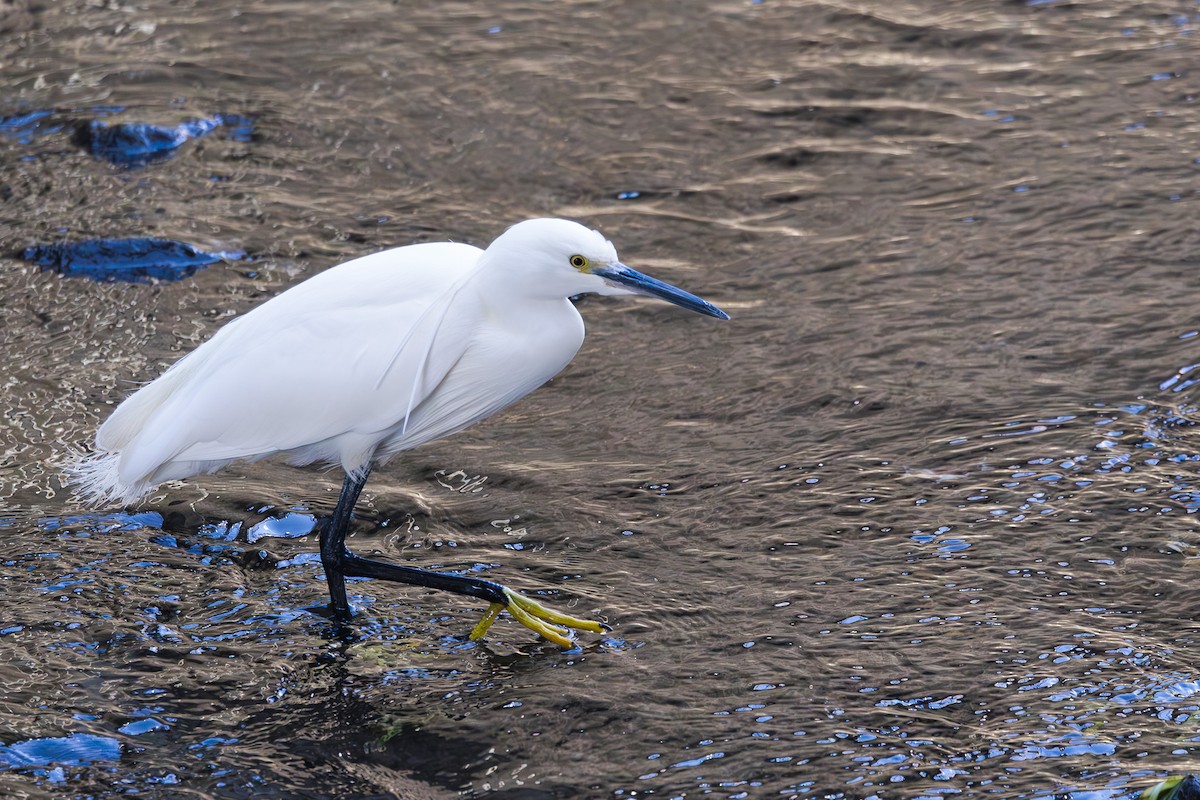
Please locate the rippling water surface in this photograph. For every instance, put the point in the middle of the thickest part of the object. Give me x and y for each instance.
(921, 521)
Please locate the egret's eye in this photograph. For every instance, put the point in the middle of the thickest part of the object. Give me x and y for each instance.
(579, 262)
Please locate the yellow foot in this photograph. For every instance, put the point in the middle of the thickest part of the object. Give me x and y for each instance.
(543, 621)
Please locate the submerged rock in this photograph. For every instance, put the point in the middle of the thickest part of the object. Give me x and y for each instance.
(135, 260)
(1180, 787)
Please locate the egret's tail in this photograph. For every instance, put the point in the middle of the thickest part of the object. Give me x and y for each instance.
(97, 480)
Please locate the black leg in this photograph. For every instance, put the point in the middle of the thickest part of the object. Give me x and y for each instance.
(360, 567)
(340, 563)
(333, 543)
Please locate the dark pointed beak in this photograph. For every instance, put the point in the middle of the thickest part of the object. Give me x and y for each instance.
(643, 284)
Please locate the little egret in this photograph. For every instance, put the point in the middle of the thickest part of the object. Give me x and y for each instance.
(367, 359)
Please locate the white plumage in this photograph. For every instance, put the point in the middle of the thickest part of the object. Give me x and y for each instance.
(367, 359)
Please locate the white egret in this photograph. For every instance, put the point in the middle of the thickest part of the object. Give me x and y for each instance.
(363, 361)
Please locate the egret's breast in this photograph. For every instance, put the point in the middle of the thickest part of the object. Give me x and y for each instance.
(507, 358)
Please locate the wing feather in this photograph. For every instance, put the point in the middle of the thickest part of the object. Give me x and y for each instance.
(338, 356)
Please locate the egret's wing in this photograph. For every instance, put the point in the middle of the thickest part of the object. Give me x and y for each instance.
(342, 354)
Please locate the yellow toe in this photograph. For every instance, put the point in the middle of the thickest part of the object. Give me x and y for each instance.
(545, 622)
(489, 617)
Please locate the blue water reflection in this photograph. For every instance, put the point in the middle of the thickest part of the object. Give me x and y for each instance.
(76, 749)
(135, 260)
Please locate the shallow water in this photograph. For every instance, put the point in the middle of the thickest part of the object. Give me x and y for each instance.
(919, 522)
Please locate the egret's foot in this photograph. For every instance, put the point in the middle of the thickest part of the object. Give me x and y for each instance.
(545, 622)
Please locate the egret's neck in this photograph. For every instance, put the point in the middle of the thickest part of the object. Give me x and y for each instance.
(516, 281)
(534, 312)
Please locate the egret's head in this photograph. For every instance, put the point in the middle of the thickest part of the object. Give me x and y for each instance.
(561, 257)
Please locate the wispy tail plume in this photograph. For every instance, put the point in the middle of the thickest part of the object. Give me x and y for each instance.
(97, 481)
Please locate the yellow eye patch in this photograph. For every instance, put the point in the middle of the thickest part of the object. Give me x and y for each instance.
(580, 263)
